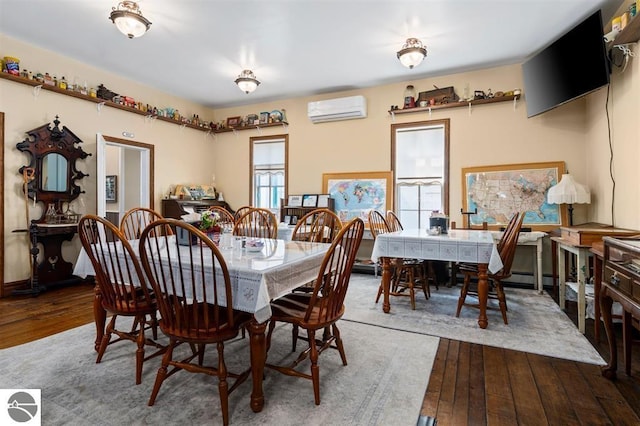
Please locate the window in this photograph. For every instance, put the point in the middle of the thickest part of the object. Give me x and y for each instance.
(268, 171)
(420, 162)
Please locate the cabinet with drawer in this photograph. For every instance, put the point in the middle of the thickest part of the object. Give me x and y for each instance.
(620, 283)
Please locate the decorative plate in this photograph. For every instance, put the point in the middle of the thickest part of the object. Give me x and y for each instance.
(276, 115)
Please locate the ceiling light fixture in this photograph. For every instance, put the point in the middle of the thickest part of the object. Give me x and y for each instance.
(129, 20)
(412, 53)
(247, 81)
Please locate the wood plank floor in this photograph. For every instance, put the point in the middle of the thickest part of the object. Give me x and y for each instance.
(470, 384)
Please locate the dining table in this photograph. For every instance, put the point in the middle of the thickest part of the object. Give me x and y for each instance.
(257, 277)
(457, 245)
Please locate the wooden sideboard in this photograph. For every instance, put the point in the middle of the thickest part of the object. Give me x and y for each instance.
(177, 208)
(620, 283)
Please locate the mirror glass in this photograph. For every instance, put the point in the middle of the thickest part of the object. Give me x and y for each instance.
(54, 173)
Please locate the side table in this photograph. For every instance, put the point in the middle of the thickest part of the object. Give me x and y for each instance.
(582, 253)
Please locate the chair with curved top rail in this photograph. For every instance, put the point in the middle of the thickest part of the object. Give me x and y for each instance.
(318, 226)
(225, 217)
(136, 219)
(257, 223)
(240, 212)
(429, 268)
(507, 249)
(121, 288)
(406, 272)
(321, 309)
(195, 301)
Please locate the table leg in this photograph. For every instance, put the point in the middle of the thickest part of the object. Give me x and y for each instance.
(257, 344)
(582, 298)
(597, 283)
(483, 291)
(538, 270)
(554, 266)
(386, 284)
(99, 316)
(626, 341)
(609, 370)
(562, 276)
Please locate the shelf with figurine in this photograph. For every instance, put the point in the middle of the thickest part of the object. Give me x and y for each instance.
(479, 98)
(125, 103)
(253, 121)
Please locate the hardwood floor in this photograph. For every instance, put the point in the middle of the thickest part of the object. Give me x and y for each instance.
(470, 384)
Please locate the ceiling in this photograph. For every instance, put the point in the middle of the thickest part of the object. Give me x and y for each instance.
(195, 49)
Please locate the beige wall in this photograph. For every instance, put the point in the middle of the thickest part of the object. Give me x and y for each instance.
(487, 135)
(182, 154)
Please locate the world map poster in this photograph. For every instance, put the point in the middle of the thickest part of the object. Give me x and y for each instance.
(355, 194)
(497, 192)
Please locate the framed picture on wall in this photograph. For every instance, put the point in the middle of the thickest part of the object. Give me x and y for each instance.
(111, 192)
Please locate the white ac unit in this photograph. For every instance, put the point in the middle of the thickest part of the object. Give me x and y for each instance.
(337, 109)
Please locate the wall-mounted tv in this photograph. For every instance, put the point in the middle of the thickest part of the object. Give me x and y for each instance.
(572, 66)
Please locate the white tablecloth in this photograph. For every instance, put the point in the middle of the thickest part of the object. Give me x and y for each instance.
(256, 278)
(456, 246)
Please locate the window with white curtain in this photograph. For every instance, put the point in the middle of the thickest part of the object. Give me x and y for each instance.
(268, 171)
(420, 162)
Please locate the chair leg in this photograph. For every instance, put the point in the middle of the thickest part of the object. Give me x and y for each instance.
(140, 351)
(315, 369)
(502, 301)
(272, 325)
(379, 292)
(162, 372)
(294, 337)
(223, 386)
(463, 294)
(410, 281)
(106, 338)
(336, 334)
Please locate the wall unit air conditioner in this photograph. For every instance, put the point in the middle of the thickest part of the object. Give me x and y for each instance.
(337, 109)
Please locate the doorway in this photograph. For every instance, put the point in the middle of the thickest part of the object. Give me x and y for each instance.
(124, 176)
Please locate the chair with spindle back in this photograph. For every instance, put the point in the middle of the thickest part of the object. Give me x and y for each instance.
(195, 300)
(507, 249)
(121, 286)
(321, 309)
(318, 226)
(136, 219)
(225, 217)
(406, 272)
(257, 223)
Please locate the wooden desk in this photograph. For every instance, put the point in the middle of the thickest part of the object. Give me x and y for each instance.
(621, 283)
(578, 240)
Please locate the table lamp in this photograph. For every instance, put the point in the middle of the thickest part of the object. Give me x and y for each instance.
(570, 192)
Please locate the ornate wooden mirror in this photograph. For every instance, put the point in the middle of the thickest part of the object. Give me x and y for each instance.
(51, 175)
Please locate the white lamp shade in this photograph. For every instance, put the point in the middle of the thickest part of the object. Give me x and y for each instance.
(568, 191)
(411, 58)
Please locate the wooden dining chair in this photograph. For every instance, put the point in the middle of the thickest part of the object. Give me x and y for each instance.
(257, 223)
(317, 226)
(121, 287)
(428, 266)
(506, 248)
(321, 309)
(241, 211)
(136, 219)
(406, 273)
(195, 300)
(225, 216)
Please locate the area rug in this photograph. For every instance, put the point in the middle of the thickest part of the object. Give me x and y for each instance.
(383, 383)
(536, 323)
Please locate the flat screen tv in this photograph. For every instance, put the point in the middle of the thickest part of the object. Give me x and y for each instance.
(572, 66)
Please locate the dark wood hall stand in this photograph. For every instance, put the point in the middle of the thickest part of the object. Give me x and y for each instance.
(620, 283)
